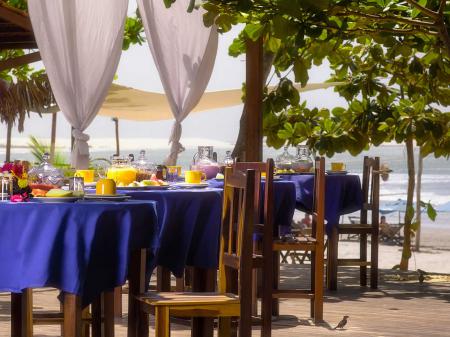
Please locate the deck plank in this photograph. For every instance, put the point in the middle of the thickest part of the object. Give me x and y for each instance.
(398, 308)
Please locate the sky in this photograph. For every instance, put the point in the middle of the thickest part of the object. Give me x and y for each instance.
(137, 70)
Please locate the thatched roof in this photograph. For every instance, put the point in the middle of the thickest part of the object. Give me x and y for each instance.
(15, 29)
(18, 99)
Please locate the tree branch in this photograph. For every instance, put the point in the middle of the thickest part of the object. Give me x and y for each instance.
(423, 10)
(389, 18)
(442, 7)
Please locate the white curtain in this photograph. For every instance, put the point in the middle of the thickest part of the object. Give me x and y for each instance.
(80, 43)
(184, 51)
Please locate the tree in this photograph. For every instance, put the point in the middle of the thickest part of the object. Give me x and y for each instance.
(395, 55)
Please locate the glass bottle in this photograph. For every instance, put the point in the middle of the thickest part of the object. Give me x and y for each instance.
(228, 161)
(303, 161)
(284, 160)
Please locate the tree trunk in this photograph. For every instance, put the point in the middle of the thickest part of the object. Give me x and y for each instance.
(406, 253)
(116, 123)
(53, 138)
(418, 198)
(239, 147)
(8, 141)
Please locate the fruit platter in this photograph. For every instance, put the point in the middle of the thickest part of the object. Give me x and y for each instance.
(55, 195)
(150, 184)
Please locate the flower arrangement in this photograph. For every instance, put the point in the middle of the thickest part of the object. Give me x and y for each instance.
(18, 171)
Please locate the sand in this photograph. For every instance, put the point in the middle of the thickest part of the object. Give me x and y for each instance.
(434, 255)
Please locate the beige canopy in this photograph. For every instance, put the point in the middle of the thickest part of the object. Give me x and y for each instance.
(137, 105)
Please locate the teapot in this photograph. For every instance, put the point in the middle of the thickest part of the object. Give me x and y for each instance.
(204, 161)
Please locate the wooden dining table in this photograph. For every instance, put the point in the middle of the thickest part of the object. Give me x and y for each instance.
(84, 249)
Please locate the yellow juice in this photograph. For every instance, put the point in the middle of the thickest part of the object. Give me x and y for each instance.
(122, 175)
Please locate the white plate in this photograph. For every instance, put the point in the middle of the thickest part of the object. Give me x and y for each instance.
(111, 197)
(55, 200)
(188, 185)
(142, 188)
(336, 173)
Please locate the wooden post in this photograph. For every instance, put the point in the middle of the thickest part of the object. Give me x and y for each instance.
(8, 141)
(116, 122)
(254, 96)
(53, 138)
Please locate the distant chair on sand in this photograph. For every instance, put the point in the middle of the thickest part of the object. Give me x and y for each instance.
(390, 233)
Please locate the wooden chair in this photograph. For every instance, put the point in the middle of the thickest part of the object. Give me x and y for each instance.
(371, 200)
(235, 258)
(263, 254)
(313, 244)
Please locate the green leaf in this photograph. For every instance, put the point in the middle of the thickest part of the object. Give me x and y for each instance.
(253, 31)
(431, 212)
(301, 71)
(273, 44)
(415, 12)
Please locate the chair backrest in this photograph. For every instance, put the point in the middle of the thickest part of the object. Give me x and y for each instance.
(236, 244)
(371, 190)
(319, 200)
(264, 204)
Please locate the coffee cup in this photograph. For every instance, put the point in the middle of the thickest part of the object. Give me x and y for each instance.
(337, 166)
(194, 177)
(106, 187)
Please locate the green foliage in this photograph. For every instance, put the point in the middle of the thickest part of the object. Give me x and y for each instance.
(134, 30)
(394, 57)
(38, 148)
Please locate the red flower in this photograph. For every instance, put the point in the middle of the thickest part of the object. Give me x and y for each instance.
(17, 169)
(7, 167)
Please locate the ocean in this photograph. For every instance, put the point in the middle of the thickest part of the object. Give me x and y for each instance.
(435, 179)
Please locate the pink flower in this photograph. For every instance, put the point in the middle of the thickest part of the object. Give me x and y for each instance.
(17, 198)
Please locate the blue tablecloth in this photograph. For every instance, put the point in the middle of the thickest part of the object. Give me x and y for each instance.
(189, 222)
(82, 248)
(343, 195)
(285, 202)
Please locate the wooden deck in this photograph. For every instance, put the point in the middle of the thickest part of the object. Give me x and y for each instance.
(398, 308)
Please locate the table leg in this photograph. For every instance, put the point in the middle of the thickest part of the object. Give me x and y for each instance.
(137, 324)
(22, 314)
(108, 312)
(97, 317)
(162, 279)
(332, 259)
(204, 280)
(72, 315)
(118, 302)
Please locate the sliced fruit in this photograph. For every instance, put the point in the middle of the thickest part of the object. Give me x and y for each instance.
(58, 193)
(150, 183)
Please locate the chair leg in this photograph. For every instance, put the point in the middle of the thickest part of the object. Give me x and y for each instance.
(318, 283)
(224, 327)
(276, 282)
(162, 322)
(313, 283)
(363, 258)
(374, 261)
(22, 314)
(332, 259)
(72, 315)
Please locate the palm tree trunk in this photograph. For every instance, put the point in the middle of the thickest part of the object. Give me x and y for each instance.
(418, 198)
(8, 141)
(53, 138)
(409, 214)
